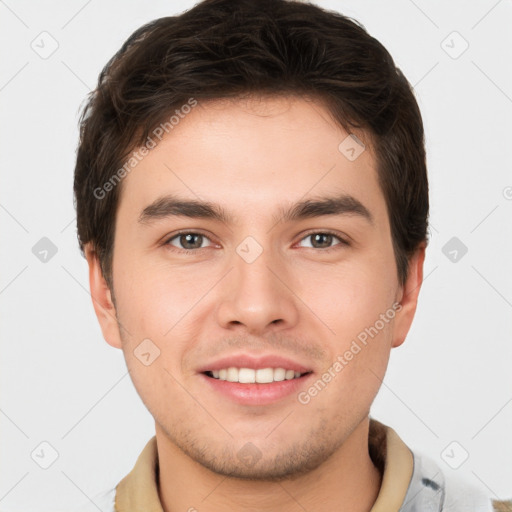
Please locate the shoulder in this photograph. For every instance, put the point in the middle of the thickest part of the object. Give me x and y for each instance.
(431, 488)
(502, 506)
(103, 501)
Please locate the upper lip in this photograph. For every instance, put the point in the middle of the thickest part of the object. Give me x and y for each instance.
(255, 362)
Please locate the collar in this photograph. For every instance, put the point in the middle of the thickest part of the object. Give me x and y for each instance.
(139, 489)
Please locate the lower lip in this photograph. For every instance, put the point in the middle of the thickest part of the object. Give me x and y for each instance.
(257, 394)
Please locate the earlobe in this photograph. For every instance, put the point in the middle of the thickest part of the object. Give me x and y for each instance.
(409, 296)
(102, 299)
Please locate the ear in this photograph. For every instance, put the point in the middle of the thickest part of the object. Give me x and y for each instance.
(408, 296)
(102, 299)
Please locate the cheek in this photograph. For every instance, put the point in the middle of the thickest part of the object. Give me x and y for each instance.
(160, 304)
(357, 306)
(154, 298)
(348, 299)
(160, 389)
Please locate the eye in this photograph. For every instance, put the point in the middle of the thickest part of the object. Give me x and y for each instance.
(324, 239)
(188, 241)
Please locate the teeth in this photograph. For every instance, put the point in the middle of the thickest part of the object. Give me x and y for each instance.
(279, 374)
(232, 375)
(251, 376)
(245, 375)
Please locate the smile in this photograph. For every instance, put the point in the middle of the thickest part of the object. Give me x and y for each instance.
(252, 376)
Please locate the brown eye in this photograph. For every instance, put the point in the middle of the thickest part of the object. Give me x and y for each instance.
(187, 241)
(323, 240)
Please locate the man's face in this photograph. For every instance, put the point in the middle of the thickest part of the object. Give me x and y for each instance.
(255, 285)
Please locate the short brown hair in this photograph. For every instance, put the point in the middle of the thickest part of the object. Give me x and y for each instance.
(234, 48)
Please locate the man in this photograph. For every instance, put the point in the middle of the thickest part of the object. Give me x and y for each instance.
(252, 201)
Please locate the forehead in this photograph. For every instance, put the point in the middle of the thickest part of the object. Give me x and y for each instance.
(252, 155)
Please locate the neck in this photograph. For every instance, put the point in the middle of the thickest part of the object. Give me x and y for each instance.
(348, 480)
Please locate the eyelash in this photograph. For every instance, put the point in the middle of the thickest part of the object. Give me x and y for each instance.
(167, 243)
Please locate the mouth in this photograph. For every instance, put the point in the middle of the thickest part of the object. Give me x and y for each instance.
(260, 385)
(254, 379)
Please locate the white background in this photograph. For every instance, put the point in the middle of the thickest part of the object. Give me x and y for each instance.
(61, 383)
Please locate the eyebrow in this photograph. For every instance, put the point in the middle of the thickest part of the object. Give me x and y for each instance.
(171, 205)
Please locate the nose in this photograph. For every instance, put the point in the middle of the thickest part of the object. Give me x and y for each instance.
(257, 296)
